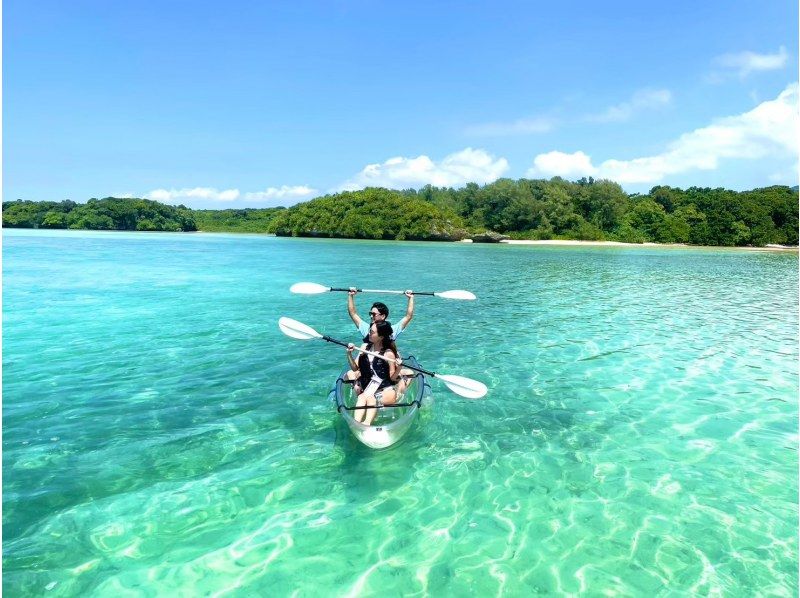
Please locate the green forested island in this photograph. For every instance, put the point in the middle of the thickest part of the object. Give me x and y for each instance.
(111, 213)
(520, 209)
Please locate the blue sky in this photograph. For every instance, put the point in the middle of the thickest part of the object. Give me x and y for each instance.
(256, 104)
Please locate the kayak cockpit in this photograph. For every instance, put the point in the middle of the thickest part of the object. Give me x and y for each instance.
(391, 421)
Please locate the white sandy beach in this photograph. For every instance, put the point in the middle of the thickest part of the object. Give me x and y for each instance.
(620, 244)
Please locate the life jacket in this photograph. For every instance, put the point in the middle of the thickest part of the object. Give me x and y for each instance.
(378, 368)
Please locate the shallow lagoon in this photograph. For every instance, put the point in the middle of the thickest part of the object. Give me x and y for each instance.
(161, 435)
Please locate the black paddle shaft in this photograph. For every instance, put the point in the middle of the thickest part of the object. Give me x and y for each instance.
(431, 293)
(410, 367)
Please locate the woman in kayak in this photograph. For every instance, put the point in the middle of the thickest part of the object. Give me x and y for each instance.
(377, 376)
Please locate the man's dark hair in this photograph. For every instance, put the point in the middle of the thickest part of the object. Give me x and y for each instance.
(381, 307)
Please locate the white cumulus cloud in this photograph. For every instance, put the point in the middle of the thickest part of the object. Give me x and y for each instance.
(770, 129)
(282, 192)
(468, 165)
(206, 193)
(744, 63)
(643, 99)
(211, 197)
(562, 164)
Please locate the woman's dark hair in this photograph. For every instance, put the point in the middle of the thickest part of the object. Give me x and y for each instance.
(381, 307)
(385, 331)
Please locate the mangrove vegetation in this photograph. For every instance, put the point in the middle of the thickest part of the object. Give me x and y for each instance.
(519, 209)
(110, 213)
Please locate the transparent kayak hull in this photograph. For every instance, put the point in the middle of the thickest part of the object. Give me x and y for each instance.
(391, 422)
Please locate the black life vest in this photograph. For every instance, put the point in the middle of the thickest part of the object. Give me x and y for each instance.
(378, 368)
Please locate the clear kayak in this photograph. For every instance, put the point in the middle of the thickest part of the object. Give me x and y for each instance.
(392, 421)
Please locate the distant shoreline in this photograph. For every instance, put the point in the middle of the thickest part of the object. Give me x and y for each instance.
(621, 244)
(540, 242)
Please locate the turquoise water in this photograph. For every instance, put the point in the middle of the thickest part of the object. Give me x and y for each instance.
(162, 437)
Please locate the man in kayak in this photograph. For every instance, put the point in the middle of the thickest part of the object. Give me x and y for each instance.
(378, 313)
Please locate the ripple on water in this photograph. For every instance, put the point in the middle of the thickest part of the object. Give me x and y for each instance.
(160, 436)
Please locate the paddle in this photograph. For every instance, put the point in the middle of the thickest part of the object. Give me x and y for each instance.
(312, 288)
(465, 387)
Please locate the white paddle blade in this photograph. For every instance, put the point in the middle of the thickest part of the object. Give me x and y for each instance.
(297, 329)
(456, 295)
(466, 387)
(308, 288)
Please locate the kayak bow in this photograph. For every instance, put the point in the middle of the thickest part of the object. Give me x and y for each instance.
(392, 421)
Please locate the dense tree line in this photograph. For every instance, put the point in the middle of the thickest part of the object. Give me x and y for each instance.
(372, 213)
(601, 210)
(523, 209)
(247, 220)
(110, 213)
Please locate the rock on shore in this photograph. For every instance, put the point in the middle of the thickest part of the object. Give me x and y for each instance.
(489, 237)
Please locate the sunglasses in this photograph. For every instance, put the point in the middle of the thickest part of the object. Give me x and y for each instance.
(374, 314)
